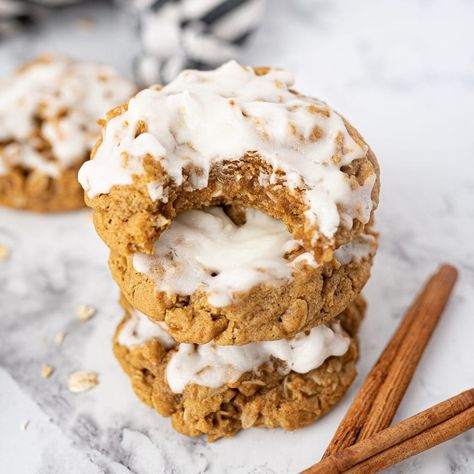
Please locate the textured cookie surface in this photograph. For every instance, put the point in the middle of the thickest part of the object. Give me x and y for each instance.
(230, 136)
(48, 114)
(267, 397)
(211, 279)
(36, 191)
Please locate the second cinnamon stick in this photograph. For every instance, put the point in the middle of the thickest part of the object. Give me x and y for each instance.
(409, 437)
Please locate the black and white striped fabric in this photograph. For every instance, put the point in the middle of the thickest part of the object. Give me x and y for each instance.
(202, 34)
(174, 34)
(16, 14)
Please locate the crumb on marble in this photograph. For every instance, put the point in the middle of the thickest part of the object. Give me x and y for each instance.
(4, 252)
(46, 371)
(82, 381)
(85, 312)
(59, 338)
(85, 24)
(24, 425)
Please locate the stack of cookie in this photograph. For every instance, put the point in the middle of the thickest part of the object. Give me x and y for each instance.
(48, 112)
(238, 213)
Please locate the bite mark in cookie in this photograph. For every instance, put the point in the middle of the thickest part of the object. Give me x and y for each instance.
(210, 278)
(234, 134)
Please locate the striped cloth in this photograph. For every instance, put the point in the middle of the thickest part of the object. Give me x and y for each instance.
(174, 34)
(202, 34)
(15, 14)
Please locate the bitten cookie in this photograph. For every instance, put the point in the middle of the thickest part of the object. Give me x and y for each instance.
(234, 135)
(48, 114)
(217, 391)
(211, 279)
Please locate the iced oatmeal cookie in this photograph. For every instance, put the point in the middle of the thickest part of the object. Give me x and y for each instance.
(211, 279)
(48, 114)
(235, 135)
(219, 390)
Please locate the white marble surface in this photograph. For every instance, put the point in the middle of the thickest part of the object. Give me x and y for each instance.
(403, 73)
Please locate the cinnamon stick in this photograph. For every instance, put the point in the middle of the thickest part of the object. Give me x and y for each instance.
(378, 398)
(422, 442)
(409, 437)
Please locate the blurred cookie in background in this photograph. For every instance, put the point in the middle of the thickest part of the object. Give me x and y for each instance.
(48, 125)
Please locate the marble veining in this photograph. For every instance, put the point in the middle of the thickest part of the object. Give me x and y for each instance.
(402, 72)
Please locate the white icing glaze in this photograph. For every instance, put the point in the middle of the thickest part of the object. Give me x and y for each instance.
(203, 118)
(138, 329)
(205, 249)
(358, 248)
(27, 156)
(155, 190)
(213, 366)
(68, 97)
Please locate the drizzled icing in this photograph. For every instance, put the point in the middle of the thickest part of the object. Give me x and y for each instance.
(212, 366)
(138, 329)
(358, 248)
(202, 118)
(49, 109)
(204, 249)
